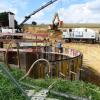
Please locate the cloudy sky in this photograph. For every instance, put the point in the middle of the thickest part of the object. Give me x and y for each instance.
(70, 11)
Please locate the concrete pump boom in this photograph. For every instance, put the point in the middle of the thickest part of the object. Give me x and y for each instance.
(34, 12)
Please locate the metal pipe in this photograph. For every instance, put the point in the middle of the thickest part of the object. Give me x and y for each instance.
(67, 96)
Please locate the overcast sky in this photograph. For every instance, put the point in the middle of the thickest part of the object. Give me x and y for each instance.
(70, 11)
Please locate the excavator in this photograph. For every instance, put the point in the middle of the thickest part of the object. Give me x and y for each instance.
(56, 23)
(54, 28)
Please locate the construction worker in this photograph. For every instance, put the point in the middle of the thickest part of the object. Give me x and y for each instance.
(59, 46)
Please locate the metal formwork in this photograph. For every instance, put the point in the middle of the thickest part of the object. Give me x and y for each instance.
(65, 65)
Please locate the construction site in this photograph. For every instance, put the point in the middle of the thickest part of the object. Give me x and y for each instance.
(57, 61)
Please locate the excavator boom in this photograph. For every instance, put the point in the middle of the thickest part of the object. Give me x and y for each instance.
(34, 12)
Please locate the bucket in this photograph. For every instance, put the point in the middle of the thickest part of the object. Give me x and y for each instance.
(60, 23)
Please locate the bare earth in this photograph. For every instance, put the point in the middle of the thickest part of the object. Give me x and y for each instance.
(91, 54)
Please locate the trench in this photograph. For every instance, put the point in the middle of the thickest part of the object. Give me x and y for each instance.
(90, 75)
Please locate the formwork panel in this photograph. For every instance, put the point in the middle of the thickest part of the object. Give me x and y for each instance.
(65, 68)
(12, 58)
(2, 56)
(61, 65)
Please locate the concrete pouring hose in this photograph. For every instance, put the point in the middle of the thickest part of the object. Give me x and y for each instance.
(33, 66)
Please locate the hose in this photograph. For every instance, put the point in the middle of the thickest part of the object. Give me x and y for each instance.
(33, 66)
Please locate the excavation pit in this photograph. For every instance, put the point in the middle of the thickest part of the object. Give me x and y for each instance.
(65, 64)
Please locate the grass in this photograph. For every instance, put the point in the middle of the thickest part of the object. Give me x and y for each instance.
(8, 91)
(78, 88)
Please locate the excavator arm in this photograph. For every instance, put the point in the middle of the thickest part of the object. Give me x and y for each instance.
(34, 12)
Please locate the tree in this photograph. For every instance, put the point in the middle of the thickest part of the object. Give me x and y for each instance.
(34, 23)
(4, 19)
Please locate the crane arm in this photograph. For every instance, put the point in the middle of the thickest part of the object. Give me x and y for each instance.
(34, 12)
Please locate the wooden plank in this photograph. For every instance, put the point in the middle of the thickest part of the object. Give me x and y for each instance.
(23, 40)
(24, 34)
(15, 50)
